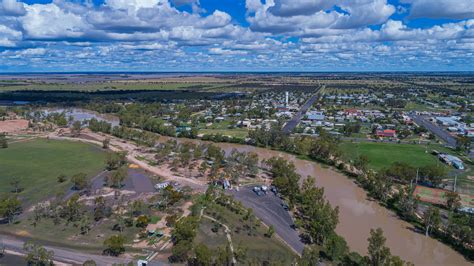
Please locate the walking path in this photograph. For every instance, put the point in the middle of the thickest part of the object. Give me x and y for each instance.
(226, 231)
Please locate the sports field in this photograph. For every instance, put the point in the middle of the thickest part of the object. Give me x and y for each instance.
(436, 196)
(384, 154)
(38, 163)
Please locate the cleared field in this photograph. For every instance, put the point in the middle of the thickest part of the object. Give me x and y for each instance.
(9, 126)
(38, 163)
(384, 154)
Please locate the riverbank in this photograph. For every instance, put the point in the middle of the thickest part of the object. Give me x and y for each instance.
(357, 212)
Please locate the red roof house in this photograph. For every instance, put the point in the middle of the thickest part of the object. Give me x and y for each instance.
(387, 133)
(352, 112)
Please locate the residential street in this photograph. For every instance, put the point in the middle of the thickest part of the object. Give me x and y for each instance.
(295, 120)
(435, 129)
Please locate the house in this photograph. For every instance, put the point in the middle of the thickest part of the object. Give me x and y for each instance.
(352, 112)
(284, 114)
(244, 123)
(282, 109)
(387, 133)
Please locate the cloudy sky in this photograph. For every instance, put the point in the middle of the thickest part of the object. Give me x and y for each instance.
(236, 35)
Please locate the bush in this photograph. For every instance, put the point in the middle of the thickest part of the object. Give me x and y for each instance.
(114, 245)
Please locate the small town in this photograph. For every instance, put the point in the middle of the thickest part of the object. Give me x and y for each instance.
(237, 132)
(165, 160)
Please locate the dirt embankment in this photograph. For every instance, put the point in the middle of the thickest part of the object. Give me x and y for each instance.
(13, 126)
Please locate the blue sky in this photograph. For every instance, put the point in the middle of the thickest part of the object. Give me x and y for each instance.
(236, 35)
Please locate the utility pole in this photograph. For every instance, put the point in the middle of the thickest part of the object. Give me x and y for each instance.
(2, 248)
(417, 170)
(455, 179)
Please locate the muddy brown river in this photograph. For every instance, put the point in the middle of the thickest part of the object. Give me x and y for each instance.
(358, 214)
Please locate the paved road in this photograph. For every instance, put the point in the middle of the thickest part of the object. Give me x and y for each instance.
(295, 120)
(435, 129)
(268, 209)
(438, 131)
(64, 255)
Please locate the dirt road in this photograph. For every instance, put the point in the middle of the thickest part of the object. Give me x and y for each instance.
(64, 255)
(133, 152)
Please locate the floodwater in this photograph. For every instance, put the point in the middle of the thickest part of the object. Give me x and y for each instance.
(358, 214)
(78, 114)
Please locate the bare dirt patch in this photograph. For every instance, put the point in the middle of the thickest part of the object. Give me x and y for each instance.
(12, 126)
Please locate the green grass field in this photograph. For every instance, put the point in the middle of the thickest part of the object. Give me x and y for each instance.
(222, 128)
(384, 154)
(38, 163)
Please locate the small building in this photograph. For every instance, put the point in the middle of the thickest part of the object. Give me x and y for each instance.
(183, 128)
(226, 184)
(316, 116)
(163, 185)
(447, 121)
(451, 160)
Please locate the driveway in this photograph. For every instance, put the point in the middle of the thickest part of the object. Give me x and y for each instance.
(268, 208)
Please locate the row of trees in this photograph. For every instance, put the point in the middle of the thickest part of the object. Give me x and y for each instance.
(325, 148)
(140, 136)
(394, 186)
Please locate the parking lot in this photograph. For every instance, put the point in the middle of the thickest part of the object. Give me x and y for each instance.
(269, 209)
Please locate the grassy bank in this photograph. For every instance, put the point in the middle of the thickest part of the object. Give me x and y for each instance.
(245, 234)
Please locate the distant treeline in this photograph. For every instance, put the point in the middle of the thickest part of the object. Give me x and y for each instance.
(87, 96)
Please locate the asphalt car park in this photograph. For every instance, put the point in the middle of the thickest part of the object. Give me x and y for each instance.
(269, 208)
